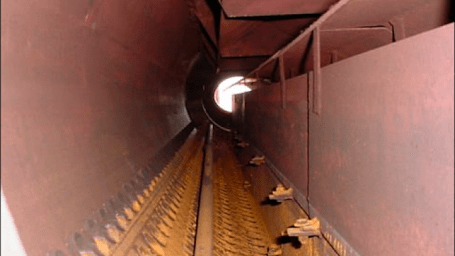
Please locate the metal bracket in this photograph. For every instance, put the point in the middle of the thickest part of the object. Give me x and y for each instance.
(304, 228)
(281, 193)
(257, 160)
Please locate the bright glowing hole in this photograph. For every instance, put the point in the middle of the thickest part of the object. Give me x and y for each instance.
(224, 91)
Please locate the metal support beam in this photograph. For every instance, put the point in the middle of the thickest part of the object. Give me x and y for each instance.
(303, 35)
(204, 235)
(398, 29)
(317, 70)
(282, 81)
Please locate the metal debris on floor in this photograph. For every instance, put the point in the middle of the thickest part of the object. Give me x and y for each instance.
(304, 228)
(281, 193)
(257, 160)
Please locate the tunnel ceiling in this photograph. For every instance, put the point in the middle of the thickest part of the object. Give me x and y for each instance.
(239, 8)
(249, 38)
(239, 35)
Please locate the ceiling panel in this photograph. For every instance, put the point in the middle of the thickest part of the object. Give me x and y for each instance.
(250, 8)
(252, 37)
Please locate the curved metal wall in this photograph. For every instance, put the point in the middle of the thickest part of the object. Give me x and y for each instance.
(91, 90)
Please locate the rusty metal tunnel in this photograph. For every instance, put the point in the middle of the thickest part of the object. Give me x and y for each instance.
(113, 142)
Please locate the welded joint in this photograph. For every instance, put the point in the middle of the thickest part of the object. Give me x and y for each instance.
(304, 228)
(281, 194)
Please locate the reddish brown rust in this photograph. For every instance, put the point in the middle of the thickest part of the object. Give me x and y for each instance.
(381, 151)
(91, 90)
(89, 94)
(239, 8)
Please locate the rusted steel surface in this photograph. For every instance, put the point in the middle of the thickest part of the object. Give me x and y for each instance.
(282, 81)
(317, 90)
(425, 17)
(363, 23)
(353, 41)
(238, 8)
(256, 37)
(360, 13)
(280, 133)
(344, 42)
(242, 64)
(90, 91)
(200, 75)
(381, 153)
(206, 17)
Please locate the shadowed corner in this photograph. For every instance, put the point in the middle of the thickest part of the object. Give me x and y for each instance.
(294, 241)
(267, 201)
(451, 10)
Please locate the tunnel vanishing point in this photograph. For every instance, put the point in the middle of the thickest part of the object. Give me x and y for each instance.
(112, 142)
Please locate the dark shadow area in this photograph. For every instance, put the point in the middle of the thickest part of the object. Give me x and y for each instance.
(451, 11)
(294, 241)
(267, 201)
(200, 75)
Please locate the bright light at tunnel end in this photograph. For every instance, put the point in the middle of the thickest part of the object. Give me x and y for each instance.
(223, 93)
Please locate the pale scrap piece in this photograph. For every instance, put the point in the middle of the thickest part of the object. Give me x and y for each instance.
(257, 160)
(281, 193)
(242, 144)
(304, 228)
(274, 250)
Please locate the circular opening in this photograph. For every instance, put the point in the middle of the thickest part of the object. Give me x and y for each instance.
(227, 88)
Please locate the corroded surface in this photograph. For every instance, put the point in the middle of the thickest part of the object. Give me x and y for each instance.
(238, 225)
(166, 224)
(382, 144)
(90, 91)
(154, 216)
